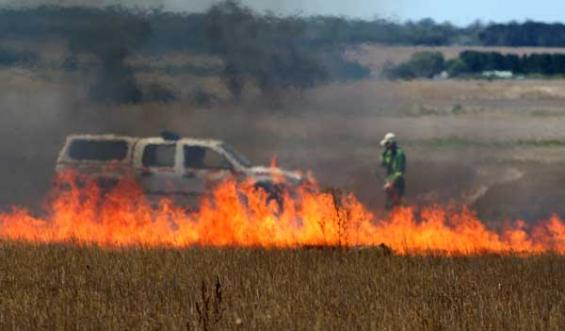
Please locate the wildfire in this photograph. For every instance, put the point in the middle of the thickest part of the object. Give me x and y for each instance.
(236, 215)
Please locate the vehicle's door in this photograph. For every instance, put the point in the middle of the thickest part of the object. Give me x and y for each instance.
(203, 166)
(158, 166)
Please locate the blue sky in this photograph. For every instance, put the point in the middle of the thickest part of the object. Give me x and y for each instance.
(458, 12)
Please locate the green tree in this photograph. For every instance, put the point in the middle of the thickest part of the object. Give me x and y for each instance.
(420, 65)
(456, 67)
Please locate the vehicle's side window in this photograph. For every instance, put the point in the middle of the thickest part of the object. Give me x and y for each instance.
(98, 150)
(159, 155)
(197, 157)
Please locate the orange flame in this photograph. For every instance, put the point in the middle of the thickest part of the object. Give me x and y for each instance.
(236, 215)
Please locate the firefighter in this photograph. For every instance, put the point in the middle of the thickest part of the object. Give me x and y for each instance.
(394, 162)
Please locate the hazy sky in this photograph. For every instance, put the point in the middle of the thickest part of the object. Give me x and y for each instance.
(459, 12)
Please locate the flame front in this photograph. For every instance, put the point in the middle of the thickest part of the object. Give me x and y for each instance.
(236, 215)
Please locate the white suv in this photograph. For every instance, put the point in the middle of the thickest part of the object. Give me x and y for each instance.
(170, 166)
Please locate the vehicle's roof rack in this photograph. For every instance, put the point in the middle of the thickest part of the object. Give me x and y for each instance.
(170, 136)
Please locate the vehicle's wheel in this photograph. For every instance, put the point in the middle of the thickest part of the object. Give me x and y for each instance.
(275, 192)
(106, 184)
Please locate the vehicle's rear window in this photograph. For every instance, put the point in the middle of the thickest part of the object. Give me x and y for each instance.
(159, 155)
(98, 150)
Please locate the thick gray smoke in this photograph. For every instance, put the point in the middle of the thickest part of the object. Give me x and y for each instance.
(264, 48)
(268, 52)
(170, 5)
(111, 40)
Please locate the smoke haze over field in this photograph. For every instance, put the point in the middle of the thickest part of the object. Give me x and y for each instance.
(272, 94)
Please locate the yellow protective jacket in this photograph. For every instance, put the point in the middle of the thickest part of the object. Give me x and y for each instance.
(395, 164)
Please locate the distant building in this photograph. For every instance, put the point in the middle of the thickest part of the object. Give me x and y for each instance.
(498, 74)
(442, 76)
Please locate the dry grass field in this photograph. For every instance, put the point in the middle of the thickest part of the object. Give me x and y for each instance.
(85, 288)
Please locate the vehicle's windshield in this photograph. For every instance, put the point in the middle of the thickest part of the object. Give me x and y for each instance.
(239, 158)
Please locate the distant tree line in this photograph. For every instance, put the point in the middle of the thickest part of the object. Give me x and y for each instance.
(472, 63)
(273, 52)
(10, 57)
(543, 63)
(532, 34)
(174, 31)
(177, 31)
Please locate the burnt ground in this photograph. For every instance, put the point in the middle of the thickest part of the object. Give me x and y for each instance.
(538, 195)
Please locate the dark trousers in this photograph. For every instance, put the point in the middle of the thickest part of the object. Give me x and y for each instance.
(395, 195)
